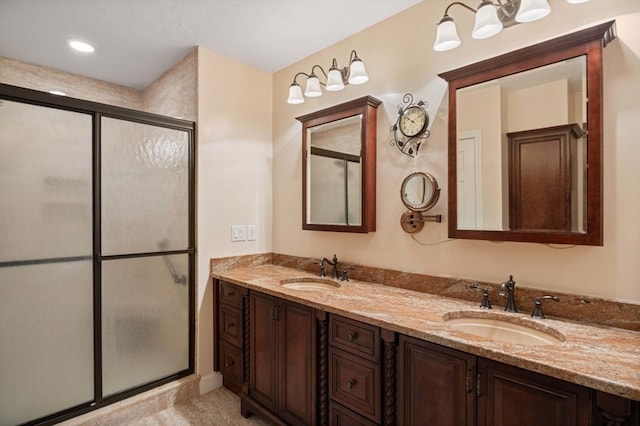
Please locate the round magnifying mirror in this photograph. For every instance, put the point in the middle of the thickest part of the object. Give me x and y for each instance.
(419, 191)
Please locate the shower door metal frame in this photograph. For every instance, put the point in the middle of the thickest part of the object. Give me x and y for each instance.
(97, 111)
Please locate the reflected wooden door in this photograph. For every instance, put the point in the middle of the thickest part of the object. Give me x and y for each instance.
(541, 158)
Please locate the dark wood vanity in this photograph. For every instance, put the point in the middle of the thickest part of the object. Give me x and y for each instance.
(310, 367)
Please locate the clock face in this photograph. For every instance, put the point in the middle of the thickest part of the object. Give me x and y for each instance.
(413, 121)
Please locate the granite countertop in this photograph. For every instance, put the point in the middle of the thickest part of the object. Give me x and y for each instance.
(599, 357)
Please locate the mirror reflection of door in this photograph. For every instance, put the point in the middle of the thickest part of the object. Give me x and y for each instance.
(549, 97)
(469, 180)
(544, 179)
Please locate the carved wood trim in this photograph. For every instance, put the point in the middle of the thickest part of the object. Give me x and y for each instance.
(323, 369)
(389, 377)
(245, 350)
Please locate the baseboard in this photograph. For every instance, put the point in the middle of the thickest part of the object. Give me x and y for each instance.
(210, 382)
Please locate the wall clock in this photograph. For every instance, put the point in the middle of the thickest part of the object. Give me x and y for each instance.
(410, 129)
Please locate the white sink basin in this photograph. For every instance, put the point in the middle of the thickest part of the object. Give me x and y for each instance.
(310, 284)
(505, 331)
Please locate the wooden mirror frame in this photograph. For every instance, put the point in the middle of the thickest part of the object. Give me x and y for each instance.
(367, 106)
(588, 42)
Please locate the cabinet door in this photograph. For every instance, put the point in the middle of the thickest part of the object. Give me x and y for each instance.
(435, 385)
(263, 350)
(511, 396)
(297, 363)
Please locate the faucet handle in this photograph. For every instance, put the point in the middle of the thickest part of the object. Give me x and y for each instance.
(345, 272)
(321, 263)
(485, 304)
(537, 308)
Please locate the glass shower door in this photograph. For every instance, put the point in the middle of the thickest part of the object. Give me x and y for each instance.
(46, 264)
(145, 253)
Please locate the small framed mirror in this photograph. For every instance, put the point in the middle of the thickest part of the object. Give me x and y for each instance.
(419, 191)
(339, 167)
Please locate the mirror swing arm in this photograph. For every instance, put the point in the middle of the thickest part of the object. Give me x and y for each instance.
(588, 43)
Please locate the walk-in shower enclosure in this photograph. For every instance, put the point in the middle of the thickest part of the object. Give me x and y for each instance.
(96, 254)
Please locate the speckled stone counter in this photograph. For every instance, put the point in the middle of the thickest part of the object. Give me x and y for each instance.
(595, 356)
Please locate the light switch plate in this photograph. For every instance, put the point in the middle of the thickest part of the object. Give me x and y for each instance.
(238, 233)
(251, 232)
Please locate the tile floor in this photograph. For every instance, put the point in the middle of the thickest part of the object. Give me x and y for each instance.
(219, 407)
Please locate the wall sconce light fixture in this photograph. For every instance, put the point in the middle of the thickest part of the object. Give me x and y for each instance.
(336, 79)
(491, 18)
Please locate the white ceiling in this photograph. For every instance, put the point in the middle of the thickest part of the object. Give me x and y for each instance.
(137, 40)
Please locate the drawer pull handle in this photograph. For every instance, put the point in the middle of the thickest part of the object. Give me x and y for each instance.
(229, 325)
(228, 363)
(352, 336)
(351, 383)
(231, 293)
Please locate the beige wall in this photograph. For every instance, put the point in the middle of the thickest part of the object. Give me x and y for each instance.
(234, 175)
(540, 106)
(612, 271)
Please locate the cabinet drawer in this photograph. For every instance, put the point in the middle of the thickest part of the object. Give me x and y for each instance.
(230, 325)
(355, 337)
(340, 416)
(231, 361)
(231, 294)
(355, 383)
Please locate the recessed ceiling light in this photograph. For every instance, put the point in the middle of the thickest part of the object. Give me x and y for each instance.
(81, 46)
(57, 92)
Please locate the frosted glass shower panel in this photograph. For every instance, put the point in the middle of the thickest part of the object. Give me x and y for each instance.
(145, 188)
(145, 320)
(328, 191)
(45, 182)
(46, 339)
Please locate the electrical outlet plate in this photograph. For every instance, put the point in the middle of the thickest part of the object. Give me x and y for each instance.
(251, 232)
(238, 233)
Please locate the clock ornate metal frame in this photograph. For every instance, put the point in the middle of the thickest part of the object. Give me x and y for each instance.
(410, 129)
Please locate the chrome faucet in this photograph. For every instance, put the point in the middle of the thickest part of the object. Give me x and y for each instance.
(508, 289)
(333, 263)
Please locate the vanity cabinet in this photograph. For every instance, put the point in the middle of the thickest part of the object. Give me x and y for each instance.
(436, 385)
(230, 330)
(444, 386)
(282, 359)
(354, 371)
(512, 396)
(297, 365)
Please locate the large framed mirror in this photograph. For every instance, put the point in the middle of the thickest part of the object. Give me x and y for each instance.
(525, 143)
(339, 167)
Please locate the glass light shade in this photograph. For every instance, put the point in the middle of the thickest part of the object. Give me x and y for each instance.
(357, 73)
(532, 10)
(487, 22)
(334, 80)
(446, 36)
(295, 94)
(313, 89)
